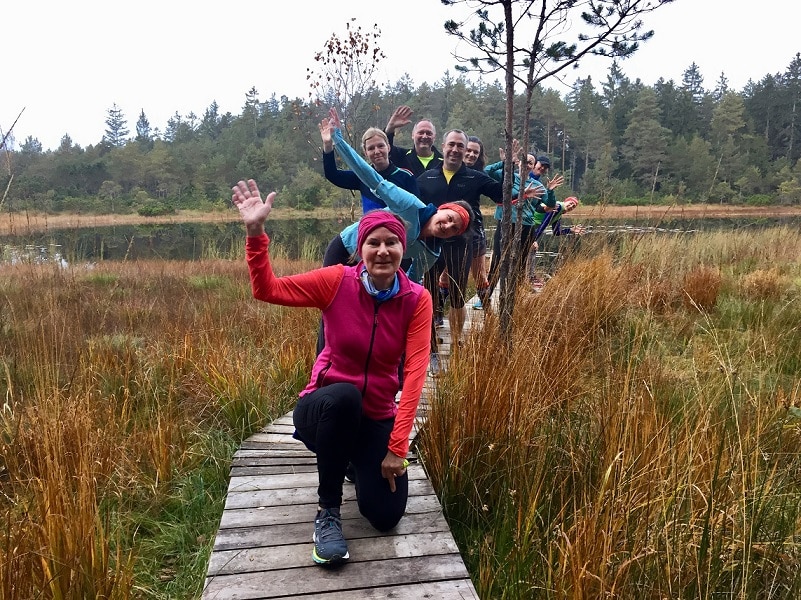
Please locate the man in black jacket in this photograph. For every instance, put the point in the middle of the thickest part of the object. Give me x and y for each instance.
(452, 180)
(424, 155)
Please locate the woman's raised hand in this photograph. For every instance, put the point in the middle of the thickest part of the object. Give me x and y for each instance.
(333, 117)
(326, 131)
(253, 210)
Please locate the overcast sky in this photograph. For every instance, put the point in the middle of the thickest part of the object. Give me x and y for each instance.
(67, 62)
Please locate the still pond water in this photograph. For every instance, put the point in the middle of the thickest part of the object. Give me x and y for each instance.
(296, 237)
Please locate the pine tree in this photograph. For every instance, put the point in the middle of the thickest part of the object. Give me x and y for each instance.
(144, 135)
(117, 128)
(645, 140)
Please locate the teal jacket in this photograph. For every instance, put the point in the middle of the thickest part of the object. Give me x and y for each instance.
(531, 216)
(423, 253)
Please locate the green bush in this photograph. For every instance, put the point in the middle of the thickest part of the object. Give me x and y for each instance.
(759, 200)
(154, 208)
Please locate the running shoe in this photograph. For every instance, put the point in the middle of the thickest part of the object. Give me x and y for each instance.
(477, 305)
(330, 547)
(350, 473)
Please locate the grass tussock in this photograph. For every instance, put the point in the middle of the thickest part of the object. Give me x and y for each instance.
(640, 438)
(125, 390)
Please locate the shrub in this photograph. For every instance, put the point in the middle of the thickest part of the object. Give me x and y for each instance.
(762, 284)
(701, 287)
(759, 200)
(154, 208)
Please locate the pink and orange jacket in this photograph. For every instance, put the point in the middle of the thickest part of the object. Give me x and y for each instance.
(364, 339)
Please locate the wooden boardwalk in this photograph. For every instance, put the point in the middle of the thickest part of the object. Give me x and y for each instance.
(264, 543)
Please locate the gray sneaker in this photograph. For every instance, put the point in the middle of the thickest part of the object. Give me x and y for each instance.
(330, 547)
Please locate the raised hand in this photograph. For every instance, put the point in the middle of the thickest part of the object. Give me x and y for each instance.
(400, 117)
(326, 131)
(333, 118)
(555, 182)
(516, 151)
(533, 191)
(253, 210)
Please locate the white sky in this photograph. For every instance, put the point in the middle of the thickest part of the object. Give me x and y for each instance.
(67, 62)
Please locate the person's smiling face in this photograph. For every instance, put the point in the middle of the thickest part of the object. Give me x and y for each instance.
(381, 252)
(377, 152)
(453, 149)
(471, 153)
(444, 224)
(423, 137)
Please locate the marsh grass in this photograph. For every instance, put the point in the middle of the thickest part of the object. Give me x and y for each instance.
(641, 438)
(126, 388)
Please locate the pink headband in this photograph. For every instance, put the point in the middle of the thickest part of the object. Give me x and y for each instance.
(380, 218)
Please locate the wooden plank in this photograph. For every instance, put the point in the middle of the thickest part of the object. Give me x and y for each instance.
(305, 512)
(275, 438)
(290, 556)
(296, 479)
(278, 534)
(263, 470)
(298, 495)
(351, 576)
(433, 590)
(282, 452)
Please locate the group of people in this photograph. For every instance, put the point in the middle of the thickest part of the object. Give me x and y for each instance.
(421, 227)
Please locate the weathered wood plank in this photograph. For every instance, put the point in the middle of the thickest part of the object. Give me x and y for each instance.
(434, 590)
(278, 534)
(264, 470)
(305, 512)
(298, 555)
(264, 459)
(295, 479)
(307, 493)
(282, 452)
(351, 576)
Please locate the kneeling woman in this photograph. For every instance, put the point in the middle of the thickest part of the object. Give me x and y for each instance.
(373, 314)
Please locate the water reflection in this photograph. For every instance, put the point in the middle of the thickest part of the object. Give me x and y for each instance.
(295, 237)
(184, 241)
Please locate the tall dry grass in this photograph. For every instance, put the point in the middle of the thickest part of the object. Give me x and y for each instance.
(641, 438)
(126, 388)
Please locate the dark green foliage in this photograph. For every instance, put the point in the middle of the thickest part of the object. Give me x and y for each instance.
(154, 208)
(715, 146)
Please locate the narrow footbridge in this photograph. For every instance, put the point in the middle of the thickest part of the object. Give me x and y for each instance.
(264, 543)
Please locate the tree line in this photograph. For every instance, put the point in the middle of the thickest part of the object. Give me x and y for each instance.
(618, 142)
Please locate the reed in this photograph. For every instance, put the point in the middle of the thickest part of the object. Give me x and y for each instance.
(126, 389)
(640, 439)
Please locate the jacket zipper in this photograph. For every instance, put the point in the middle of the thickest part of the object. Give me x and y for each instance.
(370, 349)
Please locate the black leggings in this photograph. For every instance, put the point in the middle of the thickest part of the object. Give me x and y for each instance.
(331, 424)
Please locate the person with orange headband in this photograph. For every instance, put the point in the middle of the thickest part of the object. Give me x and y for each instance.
(374, 315)
(426, 224)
